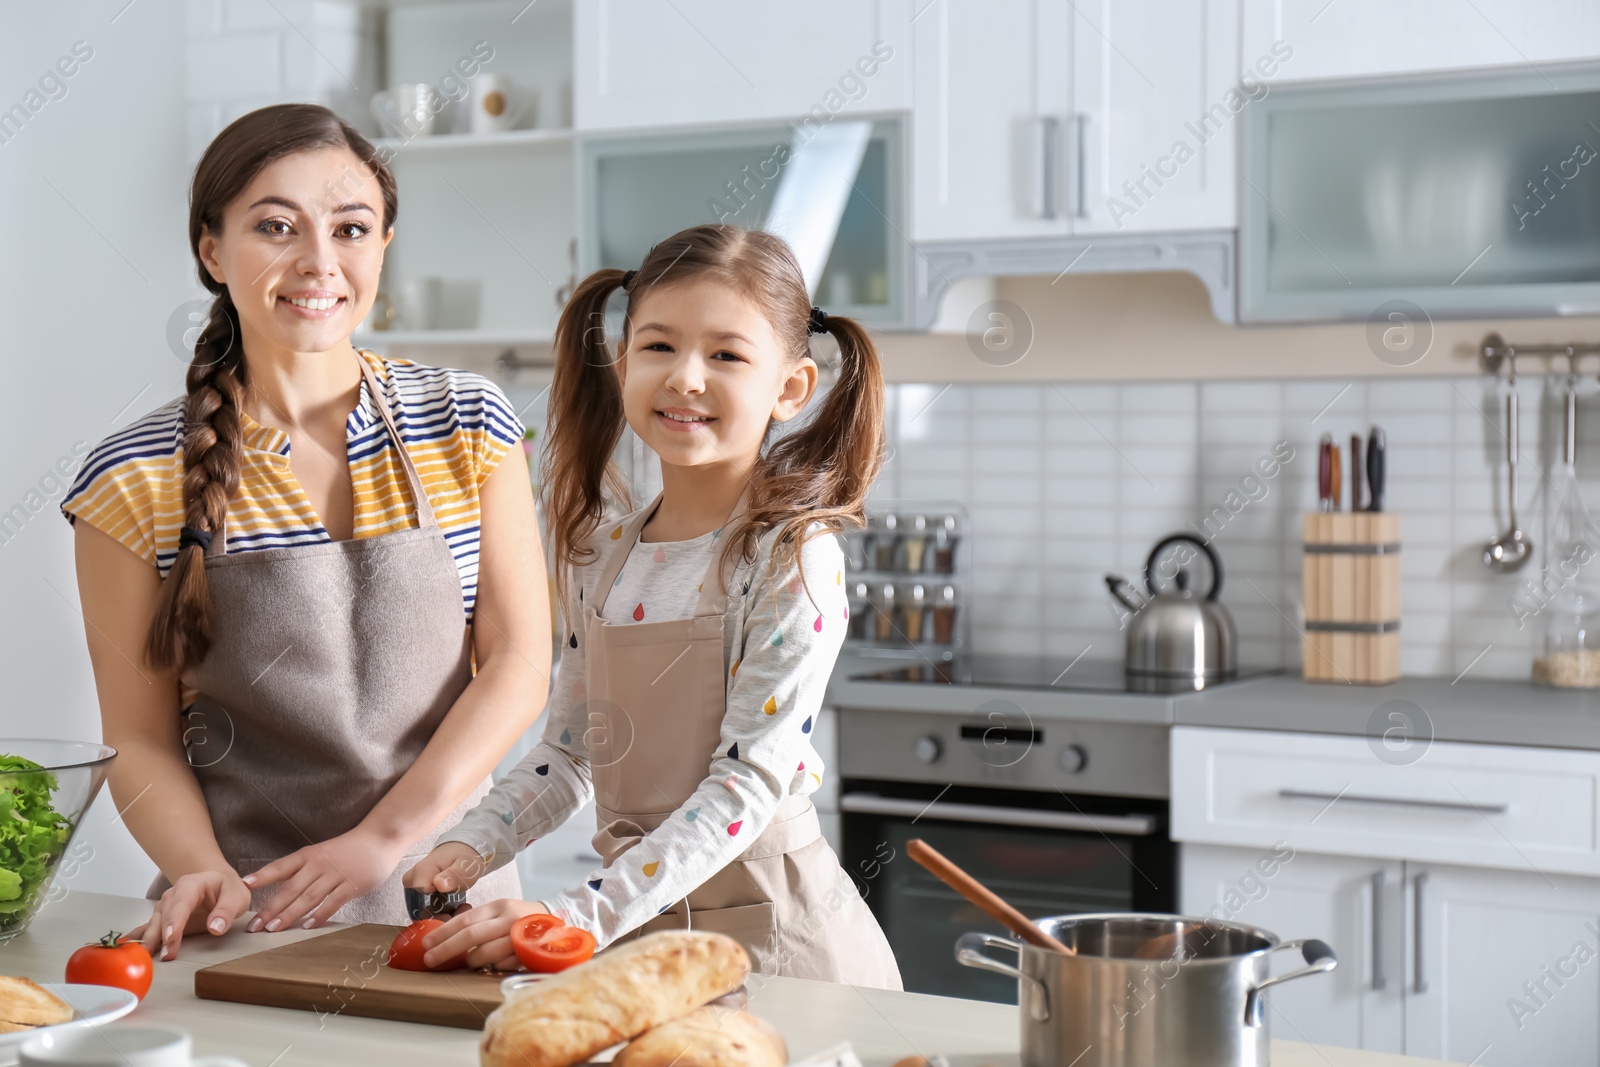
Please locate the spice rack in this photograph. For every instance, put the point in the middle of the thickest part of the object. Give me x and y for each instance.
(905, 575)
(1352, 597)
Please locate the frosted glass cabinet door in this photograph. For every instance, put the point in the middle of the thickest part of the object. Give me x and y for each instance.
(645, 63)
(1466, 196)
(1156, 111)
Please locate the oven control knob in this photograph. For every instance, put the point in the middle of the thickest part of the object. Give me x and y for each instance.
(1074, 759)
(927, 749)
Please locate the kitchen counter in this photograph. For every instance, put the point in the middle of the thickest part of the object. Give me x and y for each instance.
(883, 1026)
(1481, 711)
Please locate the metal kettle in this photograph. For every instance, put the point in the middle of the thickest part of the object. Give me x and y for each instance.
(1176, 639)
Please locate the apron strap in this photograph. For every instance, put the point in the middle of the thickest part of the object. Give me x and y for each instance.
(424, 509)
(425, 516)
(713, 596)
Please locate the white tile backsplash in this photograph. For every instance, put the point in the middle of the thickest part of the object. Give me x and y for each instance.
(1099, 472)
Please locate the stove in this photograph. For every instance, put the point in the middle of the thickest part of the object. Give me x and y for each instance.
(1023, 672)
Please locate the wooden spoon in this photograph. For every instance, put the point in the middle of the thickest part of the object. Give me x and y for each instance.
(973, 890)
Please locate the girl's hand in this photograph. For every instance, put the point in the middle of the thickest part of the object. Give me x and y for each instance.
(206, 900)
(320, 879)
(483, 933)
(451, 866)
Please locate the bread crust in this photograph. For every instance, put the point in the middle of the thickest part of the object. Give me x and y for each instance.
(26, 1004)
(708, 1037)
(615, 997)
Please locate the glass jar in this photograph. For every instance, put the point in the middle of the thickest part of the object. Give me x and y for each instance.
(1567, 646)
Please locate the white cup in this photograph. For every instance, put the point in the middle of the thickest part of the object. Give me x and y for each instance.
(498, 104)
(114, 1046)
(421, 301)
(407, 110)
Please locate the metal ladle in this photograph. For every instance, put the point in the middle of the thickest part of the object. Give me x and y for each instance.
(1510, 550)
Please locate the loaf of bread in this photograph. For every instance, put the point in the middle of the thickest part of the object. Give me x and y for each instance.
(709, 1037)
(25, 1004)
(615, 997)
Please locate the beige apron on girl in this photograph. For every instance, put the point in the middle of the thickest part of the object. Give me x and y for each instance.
(657, 693)
(331, 666)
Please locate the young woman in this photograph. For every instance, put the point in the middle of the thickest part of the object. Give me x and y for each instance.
(702, 628)
(289, 574)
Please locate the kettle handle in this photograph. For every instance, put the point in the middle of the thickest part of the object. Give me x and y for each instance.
(1172, 539)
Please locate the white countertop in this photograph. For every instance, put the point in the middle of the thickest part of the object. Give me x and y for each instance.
(883, 1026)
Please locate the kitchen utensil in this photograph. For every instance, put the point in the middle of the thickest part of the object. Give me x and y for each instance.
(969, 887)
(1103, 1006)
(92, 1005)
(407, 110)
(1177, 636)
(1509, 551)
(1377, 454)
(1335, 476)
(59, 794)
(1324, 473)
(1356, 503)
(122, 1046)
(344, 972)
(421, 904)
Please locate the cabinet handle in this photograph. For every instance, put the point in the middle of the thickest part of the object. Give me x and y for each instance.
(1379, 979)
(1048, 128)
(1403, 802)
(1080, 167)
(1419, 982)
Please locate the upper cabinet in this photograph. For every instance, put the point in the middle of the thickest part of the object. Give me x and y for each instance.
(644, 63)
(1110, 116)
(1357, 38)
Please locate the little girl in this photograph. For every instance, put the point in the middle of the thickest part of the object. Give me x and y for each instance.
(702, 627)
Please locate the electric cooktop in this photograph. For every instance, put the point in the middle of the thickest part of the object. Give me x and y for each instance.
(1023, 672)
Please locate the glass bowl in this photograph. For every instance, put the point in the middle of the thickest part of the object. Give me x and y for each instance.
(45, 788)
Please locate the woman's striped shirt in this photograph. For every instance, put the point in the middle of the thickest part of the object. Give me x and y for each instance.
(457, 427)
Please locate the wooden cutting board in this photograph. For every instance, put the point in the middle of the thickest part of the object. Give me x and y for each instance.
(343, 973)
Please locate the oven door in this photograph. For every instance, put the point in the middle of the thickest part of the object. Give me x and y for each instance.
(1044, 853)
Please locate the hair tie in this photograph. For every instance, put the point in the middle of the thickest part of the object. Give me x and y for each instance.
(819, 321)
(627, 277)
(190, 536)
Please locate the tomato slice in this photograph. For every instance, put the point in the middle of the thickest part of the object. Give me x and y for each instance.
(543, 943)
(406, 952)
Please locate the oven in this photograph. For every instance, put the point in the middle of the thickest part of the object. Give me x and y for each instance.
(1056, 815)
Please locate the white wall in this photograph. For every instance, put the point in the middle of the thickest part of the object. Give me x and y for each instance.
(93, 261)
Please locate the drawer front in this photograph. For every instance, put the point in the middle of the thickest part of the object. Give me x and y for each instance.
(1527, 809)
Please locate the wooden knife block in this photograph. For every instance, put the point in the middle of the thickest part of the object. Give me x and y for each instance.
(1352, 597)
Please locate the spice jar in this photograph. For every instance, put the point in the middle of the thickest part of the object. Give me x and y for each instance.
(885, 539)
(915, 540)
(944, 544)
(911, 613)
(860, 608)
(944, 616)
(883, 613)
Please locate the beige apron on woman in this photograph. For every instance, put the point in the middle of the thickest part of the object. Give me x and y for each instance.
(331, 666)
(657, 695)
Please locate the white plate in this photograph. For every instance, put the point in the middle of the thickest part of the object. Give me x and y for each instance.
(92, 1005)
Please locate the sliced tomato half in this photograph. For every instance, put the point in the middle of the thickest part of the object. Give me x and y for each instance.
(545, 944)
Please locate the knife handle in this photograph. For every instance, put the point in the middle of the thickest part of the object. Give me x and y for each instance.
(1377, 452)
(1324, 470)
(1356, 466)
(1335, 479)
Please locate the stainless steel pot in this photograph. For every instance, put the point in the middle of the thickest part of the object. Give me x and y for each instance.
(1144, 989)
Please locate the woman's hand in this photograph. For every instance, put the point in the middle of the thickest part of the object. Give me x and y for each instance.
(483, 933)
(451, 866)
(320, 879)
(206, 900)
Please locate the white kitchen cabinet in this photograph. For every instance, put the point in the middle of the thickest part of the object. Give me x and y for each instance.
(1356, 38)
(1156, 104)
(989, 138)
(644, 63)
(1481, 945)
(1351, 903)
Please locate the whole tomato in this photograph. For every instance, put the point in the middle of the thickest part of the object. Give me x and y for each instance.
(407, 951)
(111, 961)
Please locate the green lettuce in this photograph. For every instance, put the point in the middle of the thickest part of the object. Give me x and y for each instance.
(33, 835)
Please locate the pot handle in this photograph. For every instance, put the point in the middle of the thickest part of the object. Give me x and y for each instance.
(969, 953)
(1319, 957)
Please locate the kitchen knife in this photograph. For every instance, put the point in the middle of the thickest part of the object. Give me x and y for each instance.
(433, 905)
(1335, 476)
(1356, 467)
(1376, 449)
(1324, 469)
